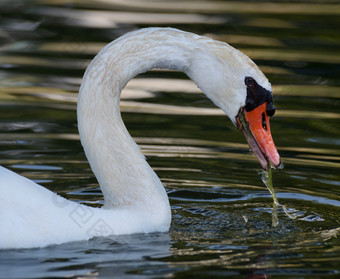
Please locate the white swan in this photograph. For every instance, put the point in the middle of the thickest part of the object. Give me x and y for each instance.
(135, 199)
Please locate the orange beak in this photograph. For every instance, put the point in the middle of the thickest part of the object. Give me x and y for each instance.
(255, 126)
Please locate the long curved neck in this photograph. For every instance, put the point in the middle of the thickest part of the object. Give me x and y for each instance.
(122, 172)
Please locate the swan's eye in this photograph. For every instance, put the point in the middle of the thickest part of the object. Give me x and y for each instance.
(264, 123)
(249, 81)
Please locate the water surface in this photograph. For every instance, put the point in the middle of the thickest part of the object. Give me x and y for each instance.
(221, 210)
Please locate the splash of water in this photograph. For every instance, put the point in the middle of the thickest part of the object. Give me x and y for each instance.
(267, 178)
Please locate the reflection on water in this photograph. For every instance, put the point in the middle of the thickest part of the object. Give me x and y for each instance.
(221, 210)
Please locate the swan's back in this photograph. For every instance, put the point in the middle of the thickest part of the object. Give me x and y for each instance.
(30, 215)
(33, 216)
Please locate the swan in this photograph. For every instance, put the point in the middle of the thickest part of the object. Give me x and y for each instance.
(135, 200)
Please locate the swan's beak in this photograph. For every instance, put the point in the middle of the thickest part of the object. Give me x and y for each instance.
(255, 126)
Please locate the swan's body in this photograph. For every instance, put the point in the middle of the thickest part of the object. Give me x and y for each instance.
(134, 198)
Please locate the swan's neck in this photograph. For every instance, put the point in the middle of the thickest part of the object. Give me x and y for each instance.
(122, 172)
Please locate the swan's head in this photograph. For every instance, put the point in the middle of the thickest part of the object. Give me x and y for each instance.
(253, 120)
(236, 85)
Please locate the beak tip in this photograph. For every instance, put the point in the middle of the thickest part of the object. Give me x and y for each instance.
(278, 166)
(273, 157)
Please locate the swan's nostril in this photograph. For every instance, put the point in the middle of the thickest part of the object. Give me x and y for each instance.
(264, 122)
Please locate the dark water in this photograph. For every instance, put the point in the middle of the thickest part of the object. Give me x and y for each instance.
(221, 210)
